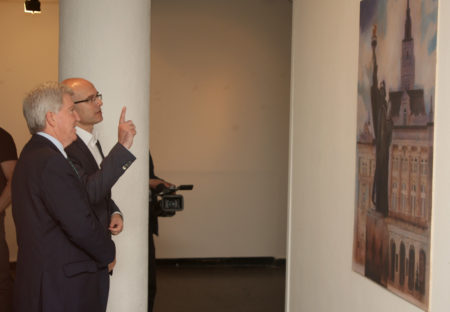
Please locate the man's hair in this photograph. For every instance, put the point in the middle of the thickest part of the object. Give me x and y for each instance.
(47, 97)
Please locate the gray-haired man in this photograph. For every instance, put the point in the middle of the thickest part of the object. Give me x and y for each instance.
(63, 248)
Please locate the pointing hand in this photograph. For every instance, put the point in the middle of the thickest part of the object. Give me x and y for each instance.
(127, 130)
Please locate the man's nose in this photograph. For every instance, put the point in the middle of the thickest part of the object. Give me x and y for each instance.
(99, 102)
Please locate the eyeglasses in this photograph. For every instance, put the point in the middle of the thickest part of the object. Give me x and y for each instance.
(90, 99)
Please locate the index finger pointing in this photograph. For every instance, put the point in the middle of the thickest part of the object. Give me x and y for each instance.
(122, 115)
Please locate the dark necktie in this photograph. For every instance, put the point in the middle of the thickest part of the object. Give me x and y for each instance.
(100, 149)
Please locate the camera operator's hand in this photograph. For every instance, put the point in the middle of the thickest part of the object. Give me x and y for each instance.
(127, 130)
(155, 182)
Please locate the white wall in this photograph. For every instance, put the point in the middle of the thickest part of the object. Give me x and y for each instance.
(322, 166)
(219, 119)
(28, 56)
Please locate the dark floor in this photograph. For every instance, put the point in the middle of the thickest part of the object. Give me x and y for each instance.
(220, 288)
(227, 287)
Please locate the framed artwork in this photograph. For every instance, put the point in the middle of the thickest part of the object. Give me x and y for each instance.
(395, 129)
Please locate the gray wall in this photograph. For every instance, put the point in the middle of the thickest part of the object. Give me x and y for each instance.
(219, 115)
(29, 56)
(219, 118)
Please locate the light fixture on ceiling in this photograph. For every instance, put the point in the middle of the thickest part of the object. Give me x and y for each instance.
(32, 6)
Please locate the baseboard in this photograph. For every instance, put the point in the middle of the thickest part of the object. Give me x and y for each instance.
(231, 262)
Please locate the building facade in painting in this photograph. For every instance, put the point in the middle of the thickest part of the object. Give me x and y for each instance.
(366, 171)
(410, 180)
(408, 218)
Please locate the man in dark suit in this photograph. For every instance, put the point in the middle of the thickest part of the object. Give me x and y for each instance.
(64, 251)
(86, 151)
(87, 155)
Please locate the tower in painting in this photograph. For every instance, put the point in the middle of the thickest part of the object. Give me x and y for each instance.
(408, 64)
(407, 104)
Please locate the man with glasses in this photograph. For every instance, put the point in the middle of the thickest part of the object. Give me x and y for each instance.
(99, 172)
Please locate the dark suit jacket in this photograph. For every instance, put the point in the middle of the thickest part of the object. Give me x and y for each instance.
(63, 249)
(99, 182)
(153, 218)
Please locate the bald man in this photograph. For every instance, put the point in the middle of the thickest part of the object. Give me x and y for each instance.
(87, 155)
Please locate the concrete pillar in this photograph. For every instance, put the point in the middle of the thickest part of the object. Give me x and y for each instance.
(108, 43)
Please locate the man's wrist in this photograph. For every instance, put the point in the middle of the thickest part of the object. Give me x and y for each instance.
(117, 212)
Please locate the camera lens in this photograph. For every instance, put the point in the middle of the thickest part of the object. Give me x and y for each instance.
(172, 204)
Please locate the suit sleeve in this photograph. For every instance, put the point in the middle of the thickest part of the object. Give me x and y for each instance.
(113, 207)
(99, 184)
(66, 201)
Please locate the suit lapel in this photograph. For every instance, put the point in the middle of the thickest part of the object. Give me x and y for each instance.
(86, 160)
(38, 140)
(81, 152)
(85, 153)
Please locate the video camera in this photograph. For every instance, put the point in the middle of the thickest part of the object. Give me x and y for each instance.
(165, 202)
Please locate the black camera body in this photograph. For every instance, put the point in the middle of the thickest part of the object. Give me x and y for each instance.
(165, 202)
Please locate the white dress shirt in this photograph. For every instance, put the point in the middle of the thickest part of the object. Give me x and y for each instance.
(90, 139)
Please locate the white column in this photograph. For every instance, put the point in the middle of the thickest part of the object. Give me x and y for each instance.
(108, 43)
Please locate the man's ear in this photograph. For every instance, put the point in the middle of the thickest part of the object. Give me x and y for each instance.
(50, 119)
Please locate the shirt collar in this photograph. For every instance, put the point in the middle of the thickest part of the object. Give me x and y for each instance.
(87, 137)
(54, 141)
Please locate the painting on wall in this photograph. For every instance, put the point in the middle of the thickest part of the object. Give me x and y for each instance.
(395, 128)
